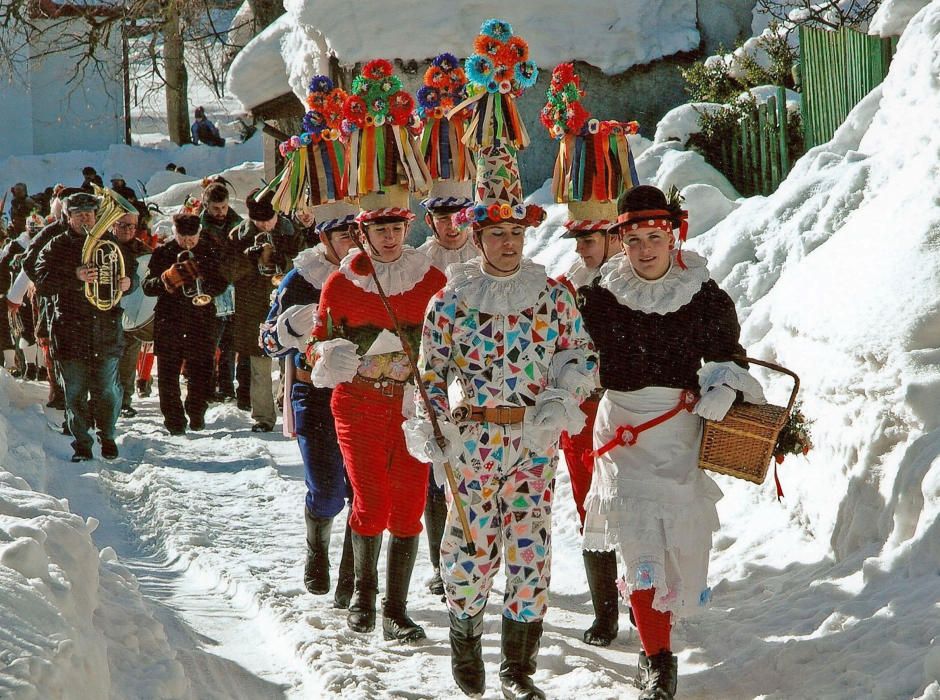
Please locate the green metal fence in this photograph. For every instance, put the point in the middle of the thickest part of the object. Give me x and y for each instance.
(837, 69)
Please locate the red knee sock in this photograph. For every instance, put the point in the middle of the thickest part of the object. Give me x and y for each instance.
(653, 626)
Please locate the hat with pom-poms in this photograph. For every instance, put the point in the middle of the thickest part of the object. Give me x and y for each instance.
(498, 72)
(498, 192)
(594, 165)
(382, 152)
(314, 171)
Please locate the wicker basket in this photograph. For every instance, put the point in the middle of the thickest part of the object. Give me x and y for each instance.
(742, 444)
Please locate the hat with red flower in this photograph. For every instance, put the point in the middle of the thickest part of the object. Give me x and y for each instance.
(594, 163)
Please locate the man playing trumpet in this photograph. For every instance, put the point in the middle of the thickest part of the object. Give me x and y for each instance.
(87, 338)
(184, 274)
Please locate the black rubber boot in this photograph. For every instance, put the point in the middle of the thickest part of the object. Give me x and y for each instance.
(435, 519)
(400, 561)
(317, 566)
(346, 580)
(466, 653)
(642, 670)
(662, 675)
(520, 645)
(361, 617)
(601, 570)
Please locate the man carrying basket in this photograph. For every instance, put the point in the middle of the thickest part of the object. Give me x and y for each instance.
(655, 316)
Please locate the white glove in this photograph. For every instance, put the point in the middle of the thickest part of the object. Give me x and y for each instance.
(716, 402)
(336, 362)
(421, 444)
(543, 425)
(295, 324)
(569, 371)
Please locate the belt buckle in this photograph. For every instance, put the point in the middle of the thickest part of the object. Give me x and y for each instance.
(387, 389)
(503, 415)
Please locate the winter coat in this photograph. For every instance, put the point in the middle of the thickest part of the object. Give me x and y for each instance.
(204, 131)
(176, 319)
(78, 330)
(252, 289)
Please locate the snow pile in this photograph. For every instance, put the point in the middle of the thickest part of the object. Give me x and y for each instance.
(258, 72)
(70, 618)
(893, 15)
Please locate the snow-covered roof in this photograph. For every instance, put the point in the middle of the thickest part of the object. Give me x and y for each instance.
(612, 36)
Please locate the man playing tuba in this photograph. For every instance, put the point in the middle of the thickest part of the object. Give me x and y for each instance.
(87, 338)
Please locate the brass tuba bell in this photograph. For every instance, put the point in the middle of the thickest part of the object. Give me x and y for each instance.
(105, 256)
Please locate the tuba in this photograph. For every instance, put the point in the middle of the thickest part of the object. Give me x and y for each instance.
(196, 293)
(105, 292)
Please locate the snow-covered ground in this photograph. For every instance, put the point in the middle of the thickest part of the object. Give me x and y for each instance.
(175, 572)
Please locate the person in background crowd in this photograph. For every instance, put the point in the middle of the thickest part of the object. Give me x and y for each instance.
(183, 330)
(204, 131)
(119, 185)
(87, 341)
(21, 206)
(90, 177)
(264, 245)
(19, 305)
(125, 232)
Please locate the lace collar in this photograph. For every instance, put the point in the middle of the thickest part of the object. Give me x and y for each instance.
(497, 295)
(442, 257)
(669, 293)
(580, 275)
(313, 266)
(395, 277)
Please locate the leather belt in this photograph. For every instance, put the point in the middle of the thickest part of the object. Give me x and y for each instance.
(385, 386)
(501, 415)
(302, 375)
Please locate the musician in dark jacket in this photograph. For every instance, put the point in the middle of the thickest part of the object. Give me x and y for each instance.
(183, 330)
(87, 341)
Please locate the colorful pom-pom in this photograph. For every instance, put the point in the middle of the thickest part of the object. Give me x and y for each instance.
(361, 264)
(320, 83)
(498, 29)
(526, 74)
(446, 61)
(376, 69)
(479, 68)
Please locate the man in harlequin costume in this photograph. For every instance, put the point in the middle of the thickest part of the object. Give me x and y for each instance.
(284, 335)
(513, 341)
(358, 352)
(593, 167)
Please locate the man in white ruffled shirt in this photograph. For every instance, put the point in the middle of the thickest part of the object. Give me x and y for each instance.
(513, 341)
(448, 244)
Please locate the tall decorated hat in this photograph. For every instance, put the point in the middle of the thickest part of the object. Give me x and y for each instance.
(498, 192)
(498, 71)
(594, 165)
(385, 162)
(314, 171)
(450, 162)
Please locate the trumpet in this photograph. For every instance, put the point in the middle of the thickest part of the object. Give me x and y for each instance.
(105, 256)
(196, 293)
(278, 268)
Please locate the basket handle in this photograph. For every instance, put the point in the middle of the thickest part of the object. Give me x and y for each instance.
(778, 368)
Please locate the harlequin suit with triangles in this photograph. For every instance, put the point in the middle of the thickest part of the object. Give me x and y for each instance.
(503, 341)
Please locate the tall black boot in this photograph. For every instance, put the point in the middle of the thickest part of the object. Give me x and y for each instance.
(346, 580)
(435, 519)
(520, 644)
(400, 561)
(361, 617)
(466, 653)
(601, 570)
(317, 567)
(661, 676)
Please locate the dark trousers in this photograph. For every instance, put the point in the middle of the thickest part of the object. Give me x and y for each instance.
(224, 376)
(199, 359)
(243, 377)
(324, 472)
(100, 378)
(127, 369)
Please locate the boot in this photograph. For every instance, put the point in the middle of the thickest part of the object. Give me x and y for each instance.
(347, 575)
(520, 645)
(317, 567)
(361, 617)
(435, 519)
(466, 653)
(601, 570)
(661, 677)
(32, 372)
(642, 670)
(400, 561)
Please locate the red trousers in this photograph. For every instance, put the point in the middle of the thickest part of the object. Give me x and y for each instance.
(389, 485)
(577, 451)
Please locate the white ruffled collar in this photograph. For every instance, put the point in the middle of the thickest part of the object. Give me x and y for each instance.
(669, 293)
(442, 257)
(313, 265)
(580, 275)
(497, 295)
(395, 277)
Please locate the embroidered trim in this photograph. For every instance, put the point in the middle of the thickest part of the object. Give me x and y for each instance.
(497, 295)
(669, 293)
(395, 277)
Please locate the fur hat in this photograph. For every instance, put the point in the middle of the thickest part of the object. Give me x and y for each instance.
(259, 205)
(81, 201)
(186, 224)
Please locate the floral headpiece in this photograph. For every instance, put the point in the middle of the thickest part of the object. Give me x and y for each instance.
(382, 152)
(499, 72)
(594, 162)
(445, 86)
(315, 159)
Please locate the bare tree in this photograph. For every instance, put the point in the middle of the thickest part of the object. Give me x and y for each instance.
(832, 14)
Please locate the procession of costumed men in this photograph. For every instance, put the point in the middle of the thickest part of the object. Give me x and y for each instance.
(466, 356)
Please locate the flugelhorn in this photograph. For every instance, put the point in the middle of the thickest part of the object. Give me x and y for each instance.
(105, 256)
(199, 297)
(277, 269)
